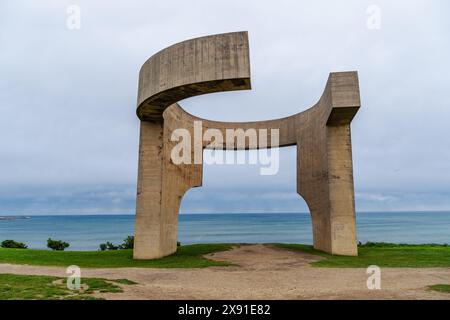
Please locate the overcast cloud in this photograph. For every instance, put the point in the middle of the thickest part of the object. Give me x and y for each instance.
(69, 133)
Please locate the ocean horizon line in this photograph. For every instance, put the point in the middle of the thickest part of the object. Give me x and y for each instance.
(210, 213)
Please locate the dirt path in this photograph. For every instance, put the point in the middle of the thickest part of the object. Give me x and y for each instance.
(261, 272)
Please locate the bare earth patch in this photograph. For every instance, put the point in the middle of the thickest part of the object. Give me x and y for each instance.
(260, 272)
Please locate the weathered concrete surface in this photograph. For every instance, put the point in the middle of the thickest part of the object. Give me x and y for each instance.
(193, 67)
(321, 133)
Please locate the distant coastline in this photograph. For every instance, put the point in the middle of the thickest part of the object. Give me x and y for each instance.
(14, 217)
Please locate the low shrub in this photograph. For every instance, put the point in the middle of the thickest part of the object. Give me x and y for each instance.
(108, 246)
(13, 244)
(128, 243)
(57, 244)
(370, 244)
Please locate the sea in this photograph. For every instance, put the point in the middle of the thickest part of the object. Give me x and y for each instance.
(86, 232)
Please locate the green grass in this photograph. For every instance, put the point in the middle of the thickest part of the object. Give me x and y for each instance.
(190, 256)
(440, 287)
(382, 255)
(24, 287)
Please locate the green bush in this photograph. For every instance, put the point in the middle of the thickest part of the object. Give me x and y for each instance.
(370, 244)
(108, 246)
(57, 244)
(128, 243)
(13, 244)
(111, 246)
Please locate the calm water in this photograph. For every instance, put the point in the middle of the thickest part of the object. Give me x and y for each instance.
(87, 232)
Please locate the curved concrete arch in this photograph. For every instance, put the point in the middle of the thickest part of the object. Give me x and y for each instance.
(220, 63)
(190, 68)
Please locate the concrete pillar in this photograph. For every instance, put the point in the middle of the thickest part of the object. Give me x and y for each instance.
(341, 191)
(148, 230)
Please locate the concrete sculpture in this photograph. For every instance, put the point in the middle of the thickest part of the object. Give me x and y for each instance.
(221, 63)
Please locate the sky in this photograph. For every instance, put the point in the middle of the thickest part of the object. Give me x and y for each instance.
(69, 132)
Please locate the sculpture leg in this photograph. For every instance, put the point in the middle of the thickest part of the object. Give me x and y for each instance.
(148, 231)
(161, 186)
(325, 180)
(341, 191)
